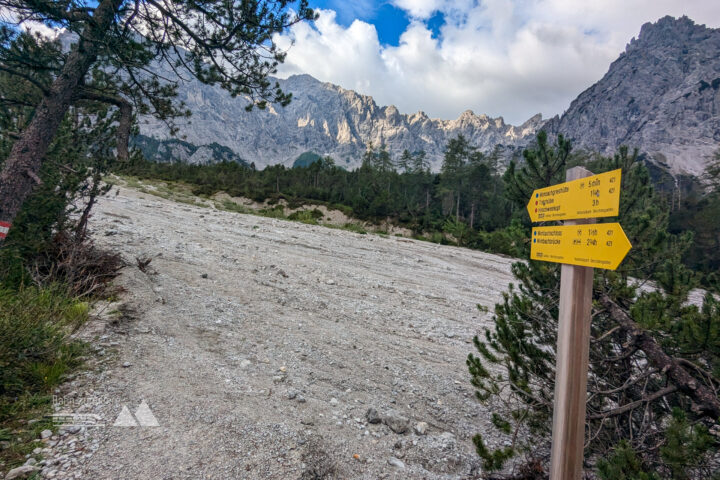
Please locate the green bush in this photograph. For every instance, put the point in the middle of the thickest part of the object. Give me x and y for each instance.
(278, 211)
(231, 206)
(306, 216)
(438, 237)
(623, 464)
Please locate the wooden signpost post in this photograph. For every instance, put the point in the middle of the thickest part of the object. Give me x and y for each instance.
(579, 245)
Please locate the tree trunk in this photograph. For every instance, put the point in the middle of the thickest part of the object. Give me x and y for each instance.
(472, 216)
(23, 164)
(81, 230)
(124, 123)
(704, 399)
(457, 211)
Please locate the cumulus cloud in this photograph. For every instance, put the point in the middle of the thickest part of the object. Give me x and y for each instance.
(512, 58)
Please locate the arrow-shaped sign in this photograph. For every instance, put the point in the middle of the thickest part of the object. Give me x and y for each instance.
(589, 197)
(599, 245)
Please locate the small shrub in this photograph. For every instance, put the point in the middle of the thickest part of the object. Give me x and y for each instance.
(306, 216)
(437, 237)
(278, 211)
(77, 263)
(355, 227)
(231, 206)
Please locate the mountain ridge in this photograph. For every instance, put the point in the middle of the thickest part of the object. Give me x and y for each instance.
(661, 95)
(328, 120)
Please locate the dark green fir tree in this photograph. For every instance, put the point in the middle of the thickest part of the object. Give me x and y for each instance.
(653, 374)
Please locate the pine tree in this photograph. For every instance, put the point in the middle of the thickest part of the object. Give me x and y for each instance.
(636, 380)
(457, 155)
(405, 162)
(67, 184)
(118, 52)
(368, 159)
(383, 161)
(712, 172)
(420, 163)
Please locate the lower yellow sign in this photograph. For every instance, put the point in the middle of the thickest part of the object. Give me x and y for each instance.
(599, 245)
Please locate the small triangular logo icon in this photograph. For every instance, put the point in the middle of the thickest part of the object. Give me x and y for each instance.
(145, 416)
(125, 419)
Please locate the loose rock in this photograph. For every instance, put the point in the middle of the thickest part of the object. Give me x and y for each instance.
(373, 416)
(21, 472)
(397, 422)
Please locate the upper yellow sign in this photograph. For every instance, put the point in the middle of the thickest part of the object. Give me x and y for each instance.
(589, 197)
(599, 245)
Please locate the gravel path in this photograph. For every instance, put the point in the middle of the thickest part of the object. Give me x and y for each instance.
(260, 345)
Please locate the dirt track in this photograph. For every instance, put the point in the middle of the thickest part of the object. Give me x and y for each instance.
(260, 344)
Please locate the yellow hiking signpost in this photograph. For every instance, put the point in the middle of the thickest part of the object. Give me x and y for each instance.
(579, 246)
(601, 245)
(589, 197)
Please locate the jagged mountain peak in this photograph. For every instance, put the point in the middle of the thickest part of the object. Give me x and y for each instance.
(669, 30)
(328, 120)
(662, 96)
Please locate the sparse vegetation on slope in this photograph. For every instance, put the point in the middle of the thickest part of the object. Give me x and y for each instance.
(402, 192)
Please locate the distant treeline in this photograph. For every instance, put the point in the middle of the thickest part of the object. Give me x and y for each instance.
(466, 199)
(467, 202)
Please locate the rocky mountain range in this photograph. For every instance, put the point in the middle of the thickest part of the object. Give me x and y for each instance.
(662, 95)
(324, 119)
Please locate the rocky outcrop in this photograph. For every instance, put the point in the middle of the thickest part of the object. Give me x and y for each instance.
(327, 120)
(168, 150)
(662, 95)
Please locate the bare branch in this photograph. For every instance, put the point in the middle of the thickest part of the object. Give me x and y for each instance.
(630, 406)
(707, 403)
(125, 122)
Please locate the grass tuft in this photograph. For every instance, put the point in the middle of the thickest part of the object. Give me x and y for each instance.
(36, 354)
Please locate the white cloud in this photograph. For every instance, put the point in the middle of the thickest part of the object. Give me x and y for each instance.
(512, 58)
(421, 9)
(10, 17)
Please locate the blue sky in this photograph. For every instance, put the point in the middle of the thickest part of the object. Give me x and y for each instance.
(389, 20)
(509, 58)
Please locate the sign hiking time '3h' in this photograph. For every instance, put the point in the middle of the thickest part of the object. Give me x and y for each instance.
(579, 245)
(597, 245)
(591, 197)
